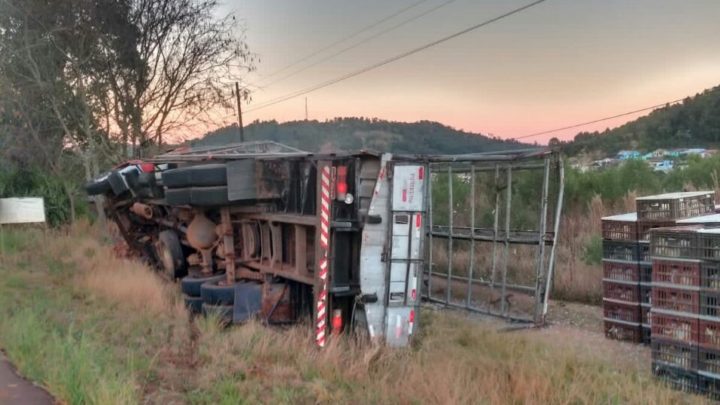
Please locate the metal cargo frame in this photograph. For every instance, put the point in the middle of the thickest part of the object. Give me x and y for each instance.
(501, 236)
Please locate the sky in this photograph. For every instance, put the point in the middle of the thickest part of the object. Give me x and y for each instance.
(556, 64)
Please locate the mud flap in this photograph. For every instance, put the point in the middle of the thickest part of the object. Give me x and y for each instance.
(247, 303)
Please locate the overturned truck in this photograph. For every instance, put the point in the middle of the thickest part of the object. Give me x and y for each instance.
(263, 230)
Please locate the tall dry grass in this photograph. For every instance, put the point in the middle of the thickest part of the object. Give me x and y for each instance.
(134, 346)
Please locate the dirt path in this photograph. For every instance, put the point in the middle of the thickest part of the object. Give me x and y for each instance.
(16, 390)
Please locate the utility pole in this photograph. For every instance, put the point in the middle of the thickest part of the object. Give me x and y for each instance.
(306, 116)
(240, 123)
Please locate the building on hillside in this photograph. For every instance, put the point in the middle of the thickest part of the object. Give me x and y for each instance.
(628, 154)
(702, 152)
(663, 166)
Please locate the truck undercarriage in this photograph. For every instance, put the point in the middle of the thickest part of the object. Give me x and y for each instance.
(262, 230)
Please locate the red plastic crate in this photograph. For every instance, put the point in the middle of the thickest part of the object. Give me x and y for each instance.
(709, 333)
(677, 300)
(678, 272)
(621, 291)
(679, 328)
(621, 270)
(623, 331)
(617, 311)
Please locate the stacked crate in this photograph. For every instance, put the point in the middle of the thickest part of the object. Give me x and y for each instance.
(677, 313)
(622, 277)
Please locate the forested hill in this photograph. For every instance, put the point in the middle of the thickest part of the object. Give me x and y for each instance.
(349, 134)
(693, 123)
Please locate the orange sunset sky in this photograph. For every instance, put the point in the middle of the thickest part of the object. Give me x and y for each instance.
(559, 63)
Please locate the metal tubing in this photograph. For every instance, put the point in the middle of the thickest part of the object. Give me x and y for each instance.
(495, 226)
(558, 212)
(472, 232)
(506, 249)
(430, 224)
(464, 168)
(450, 239)
(514, 287)
(539, 273)
(484, 312)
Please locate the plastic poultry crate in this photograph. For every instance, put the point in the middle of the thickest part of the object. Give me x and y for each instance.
(645, 272)
(621, 291)
(709, 360)
(679, 242)
(645, 293)
(709, 333)
(623, 227)
(676, 377)
(680, 328)
(674, 354)
(673, 299)
(708, 241)
(710, 276)
(621, 270)
(618, 311)
(619, 250)
(710, 304)
(709, 386)
(645, 227)
(673, 206)
(676, 272)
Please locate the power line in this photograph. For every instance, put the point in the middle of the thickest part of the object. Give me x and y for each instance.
(394, 58)
(363, 41)
(597, 120)
(351, 36)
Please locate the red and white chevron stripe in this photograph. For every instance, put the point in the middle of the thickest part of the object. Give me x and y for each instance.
(322, 300)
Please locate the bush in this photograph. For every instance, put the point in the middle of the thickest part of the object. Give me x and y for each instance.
(35, 183)
(593, 251)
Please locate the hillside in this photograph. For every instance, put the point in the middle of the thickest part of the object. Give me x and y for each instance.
(361, 133)
(693, 123)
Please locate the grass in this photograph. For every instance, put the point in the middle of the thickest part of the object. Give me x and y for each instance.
(95, 329)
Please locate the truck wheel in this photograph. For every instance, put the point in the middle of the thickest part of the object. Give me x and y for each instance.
(190, 284)
(214, 293)
(98, 187)
(209, 196)
(196, 176)
(193, 304)
(171, 255)
(117, 183)
(224, 313)
(177, 196)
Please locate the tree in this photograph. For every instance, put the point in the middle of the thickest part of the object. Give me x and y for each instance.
(92, 80)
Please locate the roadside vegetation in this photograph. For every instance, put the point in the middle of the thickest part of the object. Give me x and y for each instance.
(96, 329)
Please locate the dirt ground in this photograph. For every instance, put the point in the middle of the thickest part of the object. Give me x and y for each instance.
(577, 327)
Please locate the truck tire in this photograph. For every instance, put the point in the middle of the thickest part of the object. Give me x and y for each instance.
(177, 196)
(213, 293)
(209, 196)
(98, 187)
(193, 304)
(190, 285)
(172, 259)
(117, 183)
(224, 313)
(209, 175)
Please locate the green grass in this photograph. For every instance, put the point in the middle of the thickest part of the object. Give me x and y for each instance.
(91, 347)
